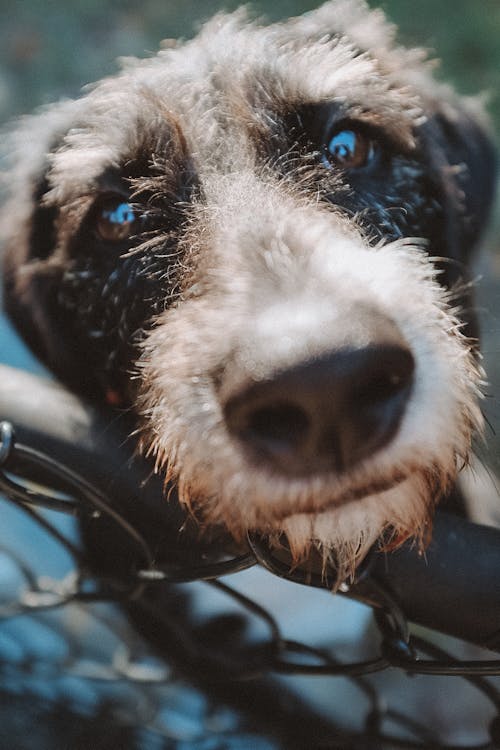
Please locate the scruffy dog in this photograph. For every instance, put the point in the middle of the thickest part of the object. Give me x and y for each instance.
(259, 241)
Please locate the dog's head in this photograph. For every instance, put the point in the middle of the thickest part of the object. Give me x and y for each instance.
(260, 240)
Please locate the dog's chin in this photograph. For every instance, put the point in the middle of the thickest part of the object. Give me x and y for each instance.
(334, 518)
(345, 530)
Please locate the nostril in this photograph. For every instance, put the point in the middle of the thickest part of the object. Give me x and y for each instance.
(277, 427)
(271, 427)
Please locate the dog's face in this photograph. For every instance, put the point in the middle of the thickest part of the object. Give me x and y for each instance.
(241, 239)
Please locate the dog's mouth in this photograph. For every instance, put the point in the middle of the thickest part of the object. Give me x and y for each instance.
(350, 493)
(310, 430)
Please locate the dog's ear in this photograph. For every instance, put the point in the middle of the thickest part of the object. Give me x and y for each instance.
(462, 164)
(31, 266)
(462, 171)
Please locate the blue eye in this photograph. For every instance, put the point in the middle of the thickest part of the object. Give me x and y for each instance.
(349, 149)
(122, 214)
(116, 220)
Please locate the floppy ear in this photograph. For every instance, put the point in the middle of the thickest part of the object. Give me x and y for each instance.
(462, 171)
(462, 164)
(31, 262)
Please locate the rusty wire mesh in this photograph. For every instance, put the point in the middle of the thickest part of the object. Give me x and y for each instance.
(183, 685)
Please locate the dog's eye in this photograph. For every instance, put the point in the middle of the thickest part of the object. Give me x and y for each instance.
(349, 149)
(115, 220)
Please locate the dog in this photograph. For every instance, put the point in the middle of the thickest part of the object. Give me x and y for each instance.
(260, 242)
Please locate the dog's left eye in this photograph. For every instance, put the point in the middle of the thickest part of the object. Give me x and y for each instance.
(115, 220)
(349, 149)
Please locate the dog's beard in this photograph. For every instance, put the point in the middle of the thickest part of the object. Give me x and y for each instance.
(392, 492)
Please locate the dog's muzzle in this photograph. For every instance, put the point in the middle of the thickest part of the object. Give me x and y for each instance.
(311, 386)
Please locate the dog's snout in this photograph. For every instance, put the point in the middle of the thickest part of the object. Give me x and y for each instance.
(328, 413)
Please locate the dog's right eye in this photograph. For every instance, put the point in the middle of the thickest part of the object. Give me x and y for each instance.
(115, 220)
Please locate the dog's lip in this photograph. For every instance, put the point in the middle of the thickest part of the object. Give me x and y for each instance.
(281, 512)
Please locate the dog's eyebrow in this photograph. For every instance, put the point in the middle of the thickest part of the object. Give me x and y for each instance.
(124, 133)
(333, 73)
(315, 121)
(126, 115)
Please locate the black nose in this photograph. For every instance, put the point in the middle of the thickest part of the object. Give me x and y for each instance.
(328, 413)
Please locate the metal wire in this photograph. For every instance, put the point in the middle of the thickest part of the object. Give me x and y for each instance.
(196, 655)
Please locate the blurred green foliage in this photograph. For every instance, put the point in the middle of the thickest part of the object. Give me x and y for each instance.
(464, 34)
(50, 49)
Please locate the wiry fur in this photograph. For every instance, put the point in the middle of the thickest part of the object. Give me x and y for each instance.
(258, 258)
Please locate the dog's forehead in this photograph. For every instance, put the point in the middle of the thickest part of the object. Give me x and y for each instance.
(233, 74)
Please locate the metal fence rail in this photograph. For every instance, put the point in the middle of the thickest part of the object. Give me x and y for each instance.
(185, 684)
